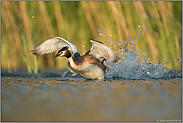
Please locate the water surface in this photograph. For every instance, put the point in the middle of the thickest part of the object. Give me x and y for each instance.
(50, 97)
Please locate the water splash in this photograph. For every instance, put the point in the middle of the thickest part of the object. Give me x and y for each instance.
(131, 67)
(100, 34)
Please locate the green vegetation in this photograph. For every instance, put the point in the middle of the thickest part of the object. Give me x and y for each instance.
(25, 25)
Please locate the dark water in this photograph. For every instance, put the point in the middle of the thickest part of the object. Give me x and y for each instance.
(58, 96)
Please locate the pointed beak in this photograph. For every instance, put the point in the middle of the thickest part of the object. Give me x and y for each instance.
(56, 55)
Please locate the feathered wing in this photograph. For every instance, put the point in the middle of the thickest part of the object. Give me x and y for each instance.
(52, 45)
(102, 52)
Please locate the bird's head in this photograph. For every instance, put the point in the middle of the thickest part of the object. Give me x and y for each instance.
(63, 52)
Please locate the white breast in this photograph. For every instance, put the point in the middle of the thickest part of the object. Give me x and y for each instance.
(91, 71)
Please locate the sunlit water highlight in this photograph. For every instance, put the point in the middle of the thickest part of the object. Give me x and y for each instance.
(131, 91)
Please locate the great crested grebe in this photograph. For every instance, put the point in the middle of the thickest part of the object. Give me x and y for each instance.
(89, 65)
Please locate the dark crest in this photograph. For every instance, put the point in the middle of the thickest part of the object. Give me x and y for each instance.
(64, 48)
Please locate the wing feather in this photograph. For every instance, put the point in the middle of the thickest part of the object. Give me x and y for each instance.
(102, 52)
(52, 45)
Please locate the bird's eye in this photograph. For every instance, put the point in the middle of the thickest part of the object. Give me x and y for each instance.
(61, 52)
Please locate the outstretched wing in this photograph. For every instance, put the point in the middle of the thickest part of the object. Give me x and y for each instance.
(53, 44)
(102, 52)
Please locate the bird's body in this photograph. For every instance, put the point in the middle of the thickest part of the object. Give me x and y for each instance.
(89, 65)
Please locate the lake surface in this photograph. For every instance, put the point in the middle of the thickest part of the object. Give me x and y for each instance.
(61, 96)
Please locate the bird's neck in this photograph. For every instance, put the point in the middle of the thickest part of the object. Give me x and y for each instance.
(72, 63)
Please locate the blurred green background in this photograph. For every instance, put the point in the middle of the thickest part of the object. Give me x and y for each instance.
(25, 25)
